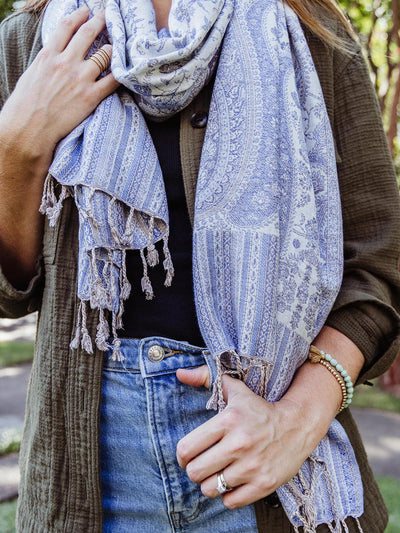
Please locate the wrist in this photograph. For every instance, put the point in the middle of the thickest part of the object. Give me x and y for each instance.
(318, 397)
(23, 137)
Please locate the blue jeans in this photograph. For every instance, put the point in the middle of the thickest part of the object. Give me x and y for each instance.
(145, 411)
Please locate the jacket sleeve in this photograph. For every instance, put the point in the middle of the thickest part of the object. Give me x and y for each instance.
(367, 307)
(18, 38)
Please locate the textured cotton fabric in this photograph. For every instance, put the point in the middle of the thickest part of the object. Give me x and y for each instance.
(59, 488)
(267, 241)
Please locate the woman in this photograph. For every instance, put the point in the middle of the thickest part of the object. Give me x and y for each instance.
(252, 447)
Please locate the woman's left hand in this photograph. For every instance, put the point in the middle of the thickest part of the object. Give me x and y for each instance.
(257, 444)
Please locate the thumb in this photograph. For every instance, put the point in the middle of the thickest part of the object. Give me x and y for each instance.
(195, 377)
(232, 387)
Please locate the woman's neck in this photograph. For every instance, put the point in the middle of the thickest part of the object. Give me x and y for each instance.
(161, 8)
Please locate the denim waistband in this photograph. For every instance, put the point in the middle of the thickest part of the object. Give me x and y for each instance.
(155, 355)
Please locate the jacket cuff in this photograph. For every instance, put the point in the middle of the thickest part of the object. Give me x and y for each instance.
(15, 303)
(375, 331)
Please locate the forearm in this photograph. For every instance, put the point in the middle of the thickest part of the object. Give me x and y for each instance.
(55, 94)
(316, 390)
(21, 224)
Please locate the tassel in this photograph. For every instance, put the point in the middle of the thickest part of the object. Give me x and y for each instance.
(103, 332)
(81, 332)
(168, 265)
(51, 205)
(74, 344)
(125, 286)
(152, 256)
(359, 525)
(116, 353)
(86, 342)
(346, 529)
(146, 283)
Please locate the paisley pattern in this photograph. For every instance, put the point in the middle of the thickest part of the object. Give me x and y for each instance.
(267, 237)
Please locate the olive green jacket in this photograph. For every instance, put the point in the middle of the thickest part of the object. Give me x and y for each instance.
(59, 459)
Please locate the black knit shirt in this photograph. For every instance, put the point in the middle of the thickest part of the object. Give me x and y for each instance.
(171, 313)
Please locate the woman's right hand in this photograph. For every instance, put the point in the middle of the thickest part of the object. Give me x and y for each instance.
(58, 90)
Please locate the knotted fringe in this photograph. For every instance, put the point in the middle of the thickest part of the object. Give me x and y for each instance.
(108, 283)
(247, 369)
(51, 204)
(81, 332)
(305, 496)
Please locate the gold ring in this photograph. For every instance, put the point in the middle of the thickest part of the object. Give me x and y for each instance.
(102, 59)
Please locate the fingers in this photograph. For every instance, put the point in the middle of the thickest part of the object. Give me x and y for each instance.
(195, 377)
(241, 496)
(208, 464)
(100, 64)
(66, 29)
(79, 46)
(199, 440)
(105, 86)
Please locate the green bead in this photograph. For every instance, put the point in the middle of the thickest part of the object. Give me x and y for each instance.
(350, 390)
(347, 378)
(327, 356)
(333, 362)
(339, 368)
(343, 373)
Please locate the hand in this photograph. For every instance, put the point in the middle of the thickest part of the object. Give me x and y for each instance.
(257, 444)
(58, 90)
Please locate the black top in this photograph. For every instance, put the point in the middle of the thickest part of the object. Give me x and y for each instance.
(171, 313)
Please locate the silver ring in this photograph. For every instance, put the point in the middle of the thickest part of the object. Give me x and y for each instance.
(222, 485)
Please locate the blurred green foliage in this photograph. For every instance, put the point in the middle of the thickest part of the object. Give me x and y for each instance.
(377, 22)
(5, 8)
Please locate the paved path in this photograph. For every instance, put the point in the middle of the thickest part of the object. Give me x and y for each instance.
(22, 330)
(380, 430)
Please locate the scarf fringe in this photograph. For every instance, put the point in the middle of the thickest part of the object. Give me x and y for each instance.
(81, 332)
(242, 367)
(104, 295)
(52, 204)
(334, 527)
(305, 496)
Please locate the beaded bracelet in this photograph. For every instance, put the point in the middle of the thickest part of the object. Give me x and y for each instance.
(336, 369)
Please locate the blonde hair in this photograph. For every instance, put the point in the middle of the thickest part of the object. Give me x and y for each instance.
(310, 12)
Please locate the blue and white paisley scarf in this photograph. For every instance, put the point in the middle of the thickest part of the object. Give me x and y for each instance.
(267, 243)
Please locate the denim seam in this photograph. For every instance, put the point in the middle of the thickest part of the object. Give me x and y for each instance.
(164, 473)
(185, 423)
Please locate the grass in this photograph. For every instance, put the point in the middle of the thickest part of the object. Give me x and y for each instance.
(10, 441)
(389, 487)
(7, 516)
(375, 398)
(12, 353)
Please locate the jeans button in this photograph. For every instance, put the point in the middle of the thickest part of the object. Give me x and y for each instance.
(199, 120)
(156, 353)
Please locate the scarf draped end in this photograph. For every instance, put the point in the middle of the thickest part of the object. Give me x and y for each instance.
(105, 286)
